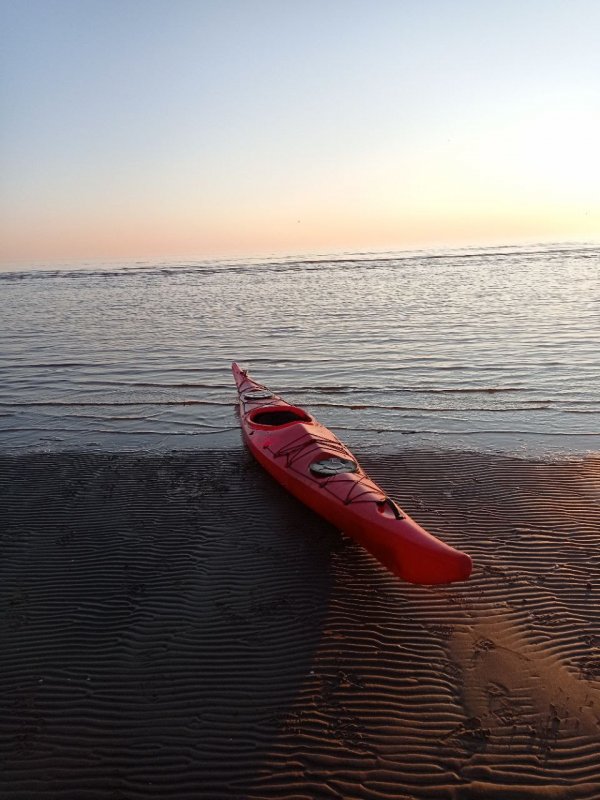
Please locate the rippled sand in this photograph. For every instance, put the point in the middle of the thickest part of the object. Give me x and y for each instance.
(177, 626)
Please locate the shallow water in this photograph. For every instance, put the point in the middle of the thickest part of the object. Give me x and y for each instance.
(476, 349)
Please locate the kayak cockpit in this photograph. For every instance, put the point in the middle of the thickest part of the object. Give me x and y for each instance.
(268, 417)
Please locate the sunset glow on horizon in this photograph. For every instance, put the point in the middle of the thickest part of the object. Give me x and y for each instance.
(203, 129)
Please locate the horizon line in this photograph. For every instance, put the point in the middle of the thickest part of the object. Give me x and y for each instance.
(433, 251)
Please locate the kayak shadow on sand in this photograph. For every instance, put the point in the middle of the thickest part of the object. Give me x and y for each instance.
(163, 612)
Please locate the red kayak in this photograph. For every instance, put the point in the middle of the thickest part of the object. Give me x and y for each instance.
(312, 463)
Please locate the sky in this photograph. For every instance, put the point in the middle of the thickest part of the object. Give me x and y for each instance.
(207, 128)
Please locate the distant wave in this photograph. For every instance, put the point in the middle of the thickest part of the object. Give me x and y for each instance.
(209, 268)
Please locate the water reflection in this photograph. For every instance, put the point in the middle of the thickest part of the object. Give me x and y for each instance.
(480, 349)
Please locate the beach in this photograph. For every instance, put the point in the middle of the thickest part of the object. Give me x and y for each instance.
(178, 626)
(175, 625)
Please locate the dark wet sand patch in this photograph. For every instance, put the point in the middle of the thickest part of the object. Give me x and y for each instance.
(179, 627)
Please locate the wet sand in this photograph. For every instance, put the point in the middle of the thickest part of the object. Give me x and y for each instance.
(179, 627)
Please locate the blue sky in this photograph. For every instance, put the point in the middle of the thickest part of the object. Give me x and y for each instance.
(154, 128)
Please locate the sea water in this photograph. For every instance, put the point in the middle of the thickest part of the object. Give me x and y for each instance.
(487, 349)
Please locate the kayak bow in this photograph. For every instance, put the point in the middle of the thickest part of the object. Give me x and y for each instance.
(309, 461)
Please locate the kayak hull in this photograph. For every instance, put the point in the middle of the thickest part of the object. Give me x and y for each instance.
(291, 445)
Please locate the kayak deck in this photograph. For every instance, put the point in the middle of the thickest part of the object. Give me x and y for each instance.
(311, 462)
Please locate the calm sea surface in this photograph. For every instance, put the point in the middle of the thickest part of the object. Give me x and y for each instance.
(482, 349)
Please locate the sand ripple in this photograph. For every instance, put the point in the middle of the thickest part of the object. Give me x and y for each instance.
(179, 627)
